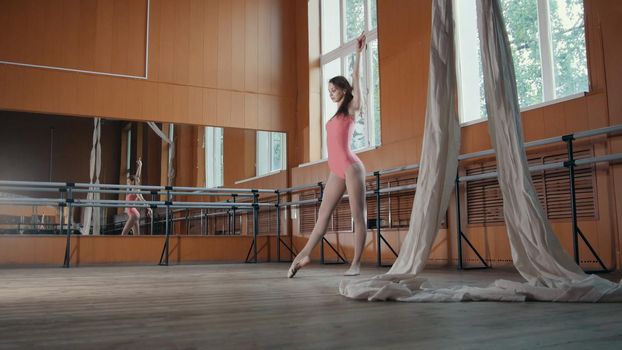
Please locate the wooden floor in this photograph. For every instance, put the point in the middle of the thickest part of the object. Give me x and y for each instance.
(247, 306)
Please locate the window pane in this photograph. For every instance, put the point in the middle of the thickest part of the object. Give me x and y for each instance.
(213, 156)
(331, 25)
(360, 136)
(350, 67)
(568, 41)
(262, 162)
(373, 14)
(521, 21)
(329, 70)
(283, 151)
(219, 156)
(355, 18)
(277, 151)
(470, 77)
(208, 139)
(375, 91)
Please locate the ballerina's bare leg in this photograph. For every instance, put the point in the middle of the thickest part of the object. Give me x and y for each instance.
(129, 224)
(333, 191)
(355, 183)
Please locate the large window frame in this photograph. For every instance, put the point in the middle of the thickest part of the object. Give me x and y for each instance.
(341, 54)
(466, 40)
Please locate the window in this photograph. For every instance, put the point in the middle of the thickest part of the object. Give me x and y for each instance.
(547, 39)
(271, 153)
(341, 23)
(213, 157)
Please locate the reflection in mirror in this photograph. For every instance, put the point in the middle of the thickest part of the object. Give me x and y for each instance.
(213, 156)
(270, 152)
(48, 148)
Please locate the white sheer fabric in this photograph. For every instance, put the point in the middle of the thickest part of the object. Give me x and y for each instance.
(441, 144)
(171, 150)
(92, 215)
(537, 254)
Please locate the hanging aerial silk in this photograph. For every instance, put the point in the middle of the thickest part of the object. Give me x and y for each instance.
(92, 215)
(537, 254)
(171, 150)
(441, 144)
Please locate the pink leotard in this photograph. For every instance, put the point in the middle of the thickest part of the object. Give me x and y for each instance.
(132, 211)
(339, 130)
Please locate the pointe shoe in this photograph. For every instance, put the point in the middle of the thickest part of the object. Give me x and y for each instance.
(352, 272)
(293, 269)
(297, 265)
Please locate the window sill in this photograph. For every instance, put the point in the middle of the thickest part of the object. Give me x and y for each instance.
(366, 149)
(319, 161)
(536, 106)
(303, 165)
(259, 177)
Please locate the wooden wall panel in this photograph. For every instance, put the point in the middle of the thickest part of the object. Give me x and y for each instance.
(607, 16)
(185, 155)
(95, 250)
(238, 109)
(136, 49)
(162, 60)
(276, 47)
(264, 51)
(195, 103)
(238, 41)
(181, 103)
(210, 44)
(94, 35)
(181, 46)
(210, 107)
(223, 107)
(252, 44)
(239, 155)
(250, 111)
(224, 45)
(195, 43)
